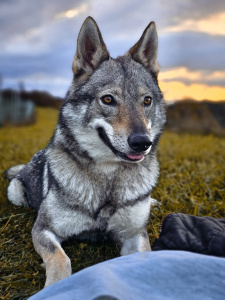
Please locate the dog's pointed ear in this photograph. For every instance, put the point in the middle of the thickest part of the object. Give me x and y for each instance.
(91, 49)
(146, 49)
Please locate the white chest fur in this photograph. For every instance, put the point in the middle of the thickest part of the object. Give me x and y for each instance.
(92, 200)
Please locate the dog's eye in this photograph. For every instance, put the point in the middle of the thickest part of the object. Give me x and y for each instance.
(147, 100)
(107, 99)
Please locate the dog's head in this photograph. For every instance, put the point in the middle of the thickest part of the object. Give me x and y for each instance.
(114, 107)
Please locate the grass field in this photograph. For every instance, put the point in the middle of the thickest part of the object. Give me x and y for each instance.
(192, 181)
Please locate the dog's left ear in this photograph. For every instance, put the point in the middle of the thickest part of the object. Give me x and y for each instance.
(146, 49)
(91, 49)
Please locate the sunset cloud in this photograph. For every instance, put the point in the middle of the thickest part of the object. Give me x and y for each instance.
(181, 83)
(38, 42)
(176, 90)
(214, 25)
(182, 73)
(71, 13)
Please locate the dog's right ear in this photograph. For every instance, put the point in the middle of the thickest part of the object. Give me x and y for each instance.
(91, 49)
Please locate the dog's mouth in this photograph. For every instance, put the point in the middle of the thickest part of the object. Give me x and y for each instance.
(134, 157)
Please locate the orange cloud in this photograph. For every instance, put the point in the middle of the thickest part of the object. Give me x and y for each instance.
(214, 24)
(73, 12)
(175, 90)
(184, 73)
(181, 72)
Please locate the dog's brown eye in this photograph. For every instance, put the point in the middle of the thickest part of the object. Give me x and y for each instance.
(107, 99)
(147, 100)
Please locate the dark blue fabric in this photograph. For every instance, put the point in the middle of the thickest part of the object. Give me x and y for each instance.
(205, 235)
(157, 275)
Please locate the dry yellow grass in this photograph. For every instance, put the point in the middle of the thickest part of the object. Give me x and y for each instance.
(192, 181)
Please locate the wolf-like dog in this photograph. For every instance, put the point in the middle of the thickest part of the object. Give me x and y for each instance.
(98, 170)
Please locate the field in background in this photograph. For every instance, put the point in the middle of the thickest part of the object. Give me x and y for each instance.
(192, 181)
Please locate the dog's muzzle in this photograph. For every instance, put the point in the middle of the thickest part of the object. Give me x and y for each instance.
(138, 144)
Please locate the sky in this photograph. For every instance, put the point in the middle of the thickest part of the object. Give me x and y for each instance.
(38, 42)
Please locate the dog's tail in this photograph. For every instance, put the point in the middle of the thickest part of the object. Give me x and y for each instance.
(13, 171)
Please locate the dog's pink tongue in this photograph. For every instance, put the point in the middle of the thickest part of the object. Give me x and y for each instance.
(135, 156)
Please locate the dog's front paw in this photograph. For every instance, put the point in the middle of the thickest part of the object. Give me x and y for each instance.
(57, 268)
(137, 243)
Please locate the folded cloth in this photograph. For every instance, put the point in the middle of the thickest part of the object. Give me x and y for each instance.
(204, 235)
(155, 275)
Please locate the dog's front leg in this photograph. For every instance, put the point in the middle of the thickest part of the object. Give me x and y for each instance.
(129, 224)
(56, 261)
(137, 243)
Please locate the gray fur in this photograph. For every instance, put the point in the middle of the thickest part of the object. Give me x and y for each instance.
(13, 171)
(88, 178)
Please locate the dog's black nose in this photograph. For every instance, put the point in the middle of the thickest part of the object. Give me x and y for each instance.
(139, 142)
